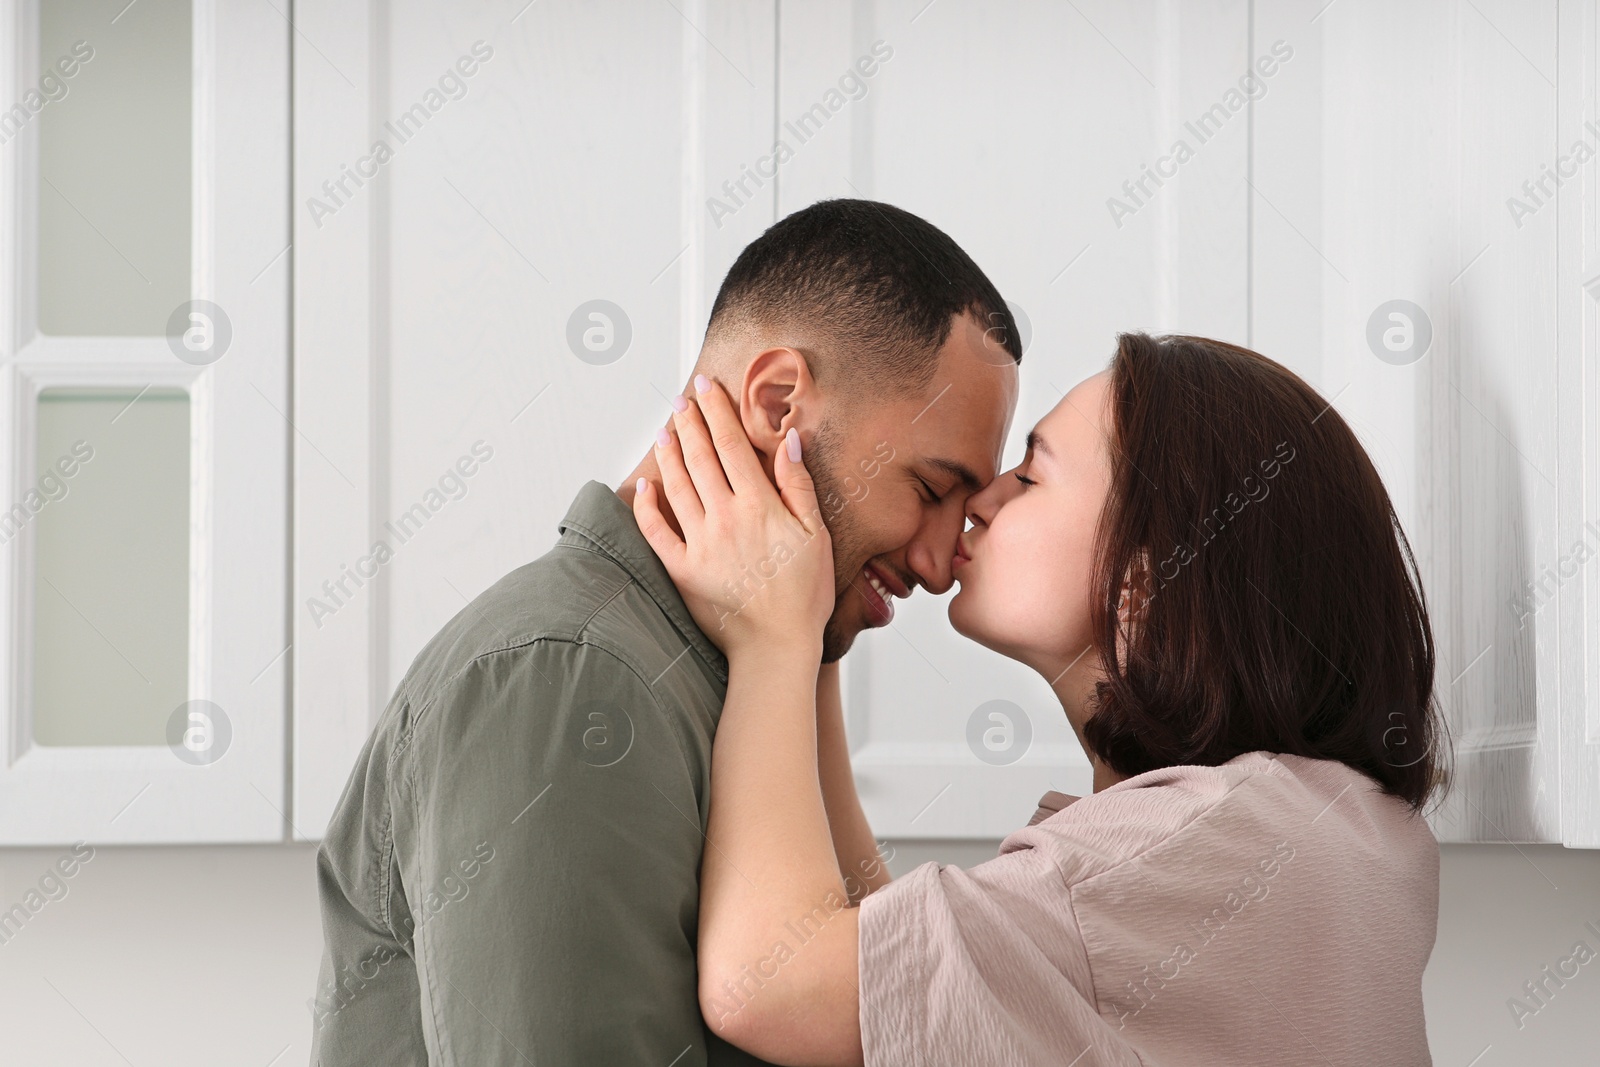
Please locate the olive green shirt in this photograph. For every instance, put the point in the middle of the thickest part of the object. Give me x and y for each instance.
(512, 874)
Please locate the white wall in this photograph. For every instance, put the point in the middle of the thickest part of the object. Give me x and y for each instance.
(195, 957)
(202, 955)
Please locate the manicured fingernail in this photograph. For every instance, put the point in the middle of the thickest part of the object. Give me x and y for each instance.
(663, 438)
(791, 441)
(679, 403)
(638, 487)
(702, 384)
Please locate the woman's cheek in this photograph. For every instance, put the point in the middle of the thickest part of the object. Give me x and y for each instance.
(1024, 600)
(1042, 608)
(1049, 584)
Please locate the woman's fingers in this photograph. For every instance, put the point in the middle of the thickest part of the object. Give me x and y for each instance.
(799, 492)
(660, 536)
(705, 468)
(681, 495)
(733, 445)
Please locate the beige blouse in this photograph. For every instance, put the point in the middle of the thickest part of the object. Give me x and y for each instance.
(1272, 910)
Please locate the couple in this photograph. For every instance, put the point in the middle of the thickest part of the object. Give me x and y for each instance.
(608, 817)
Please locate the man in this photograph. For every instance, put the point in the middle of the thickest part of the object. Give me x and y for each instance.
(511, 876)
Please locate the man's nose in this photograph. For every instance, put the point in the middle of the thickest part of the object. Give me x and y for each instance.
(935, 546)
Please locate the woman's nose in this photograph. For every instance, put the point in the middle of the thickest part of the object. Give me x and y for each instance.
(982, 505)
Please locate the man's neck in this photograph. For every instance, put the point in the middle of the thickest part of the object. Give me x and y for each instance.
(651, 471)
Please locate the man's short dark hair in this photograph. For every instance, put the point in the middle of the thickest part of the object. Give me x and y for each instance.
(876, 286)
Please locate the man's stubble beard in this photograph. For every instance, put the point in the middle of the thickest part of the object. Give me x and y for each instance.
(821, 460)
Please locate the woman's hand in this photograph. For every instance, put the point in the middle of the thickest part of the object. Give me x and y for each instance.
(754, 567)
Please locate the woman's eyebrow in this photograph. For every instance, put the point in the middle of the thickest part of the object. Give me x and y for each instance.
(1037, 443)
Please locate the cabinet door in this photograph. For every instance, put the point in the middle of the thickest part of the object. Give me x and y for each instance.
(1578, 336)
(1440, 332)
(1451, 158)
(1044, 139)
(144, 448)
(521, 272)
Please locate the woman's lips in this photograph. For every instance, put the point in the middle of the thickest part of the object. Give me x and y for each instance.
(962, 555)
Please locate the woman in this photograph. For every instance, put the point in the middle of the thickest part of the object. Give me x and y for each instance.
(1199, 557)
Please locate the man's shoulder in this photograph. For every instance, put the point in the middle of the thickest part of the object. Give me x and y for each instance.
(571, 596)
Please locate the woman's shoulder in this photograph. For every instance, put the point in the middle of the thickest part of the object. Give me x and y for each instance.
(1204, 813)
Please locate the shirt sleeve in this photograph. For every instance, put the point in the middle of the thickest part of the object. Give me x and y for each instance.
(549, 830)
(980, 966)
(365, 1006)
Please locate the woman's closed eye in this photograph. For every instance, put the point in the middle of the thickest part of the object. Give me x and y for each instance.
(1023, 480)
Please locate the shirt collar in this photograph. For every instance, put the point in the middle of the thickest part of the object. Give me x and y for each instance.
(598, 514)
(1049, 804)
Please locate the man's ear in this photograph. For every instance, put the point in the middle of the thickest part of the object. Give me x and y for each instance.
(777, 392)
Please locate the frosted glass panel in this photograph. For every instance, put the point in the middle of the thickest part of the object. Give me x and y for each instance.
(114, 124)
(111, 544)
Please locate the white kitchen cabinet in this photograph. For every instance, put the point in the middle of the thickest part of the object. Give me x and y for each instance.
(144, 441)
(1269, 173)
(472, 189)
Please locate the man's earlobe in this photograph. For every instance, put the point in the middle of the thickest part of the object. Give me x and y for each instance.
(776, 383)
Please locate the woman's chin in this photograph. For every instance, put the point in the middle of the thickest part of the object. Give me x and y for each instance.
(956, 611)
(975, 627)
(966, 621)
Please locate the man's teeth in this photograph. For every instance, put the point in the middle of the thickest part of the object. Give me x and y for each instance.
(881, 589)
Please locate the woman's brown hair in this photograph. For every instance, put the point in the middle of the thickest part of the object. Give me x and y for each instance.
(1275, 599)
